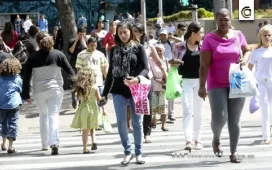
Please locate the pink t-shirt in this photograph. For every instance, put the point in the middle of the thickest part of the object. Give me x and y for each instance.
(224, 52)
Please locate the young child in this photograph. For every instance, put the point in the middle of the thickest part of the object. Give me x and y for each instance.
(10, 101)
(158, 98)
(86, 117)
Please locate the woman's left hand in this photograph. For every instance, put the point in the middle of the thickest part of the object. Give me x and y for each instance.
(131, 82)
(242, 62)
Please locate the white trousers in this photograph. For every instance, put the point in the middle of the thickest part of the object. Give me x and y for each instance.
(192, 110)
(265, 99)
(48, 104)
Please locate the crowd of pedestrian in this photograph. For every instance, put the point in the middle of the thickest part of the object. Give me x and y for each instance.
(114, 61)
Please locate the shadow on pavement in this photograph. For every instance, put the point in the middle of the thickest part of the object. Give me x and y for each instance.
(32, 115)
(134, 166)
(183, 165)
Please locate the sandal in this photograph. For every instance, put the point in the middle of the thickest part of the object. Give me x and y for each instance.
(11, 151)
(127, 159)
(94, 146)
(147, 140)
(164, 129)
(130, 130)
(234, 159)
(86, 151)
(140, 160)
(216, 149)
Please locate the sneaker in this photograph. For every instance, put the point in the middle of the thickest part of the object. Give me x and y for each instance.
(198, 146)
(267, 142)
(54, 150)
(188, 146)
(171, 118)
(94, 146)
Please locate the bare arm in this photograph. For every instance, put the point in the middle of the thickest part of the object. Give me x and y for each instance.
(97, 95)
(105, 70)
(157, 61)
(72, 49)
(176, 39)
(246, 54)
(205, 61)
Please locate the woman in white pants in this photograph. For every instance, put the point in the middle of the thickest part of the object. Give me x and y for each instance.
(189, 53)
(45, 66)
(261, 57)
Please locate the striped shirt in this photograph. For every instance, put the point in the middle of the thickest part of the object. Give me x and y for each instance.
(92, 61)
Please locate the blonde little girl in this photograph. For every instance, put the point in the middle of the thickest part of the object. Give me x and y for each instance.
(86, 117)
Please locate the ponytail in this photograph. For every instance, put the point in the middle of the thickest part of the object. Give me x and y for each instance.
(45, 41)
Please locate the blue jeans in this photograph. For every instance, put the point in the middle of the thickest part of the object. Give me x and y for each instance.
(120, 105)
(9, 120)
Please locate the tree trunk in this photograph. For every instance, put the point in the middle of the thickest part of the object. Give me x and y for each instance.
(68, 27)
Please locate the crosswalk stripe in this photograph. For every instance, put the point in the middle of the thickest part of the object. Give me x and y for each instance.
(110, 145)
(116, 138)
(115, 161)
(115, 135)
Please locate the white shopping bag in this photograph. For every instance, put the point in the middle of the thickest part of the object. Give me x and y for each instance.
(242, 82)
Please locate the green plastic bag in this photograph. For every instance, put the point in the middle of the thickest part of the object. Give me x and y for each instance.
(173, 84)
(106, 125)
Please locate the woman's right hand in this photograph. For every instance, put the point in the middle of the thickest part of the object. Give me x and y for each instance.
(202, 92)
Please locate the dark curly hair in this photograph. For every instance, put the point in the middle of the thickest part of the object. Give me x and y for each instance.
(83, 84)
(10, 66)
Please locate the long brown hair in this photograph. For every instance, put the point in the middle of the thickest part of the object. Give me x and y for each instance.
(8, 31)
(84, 83)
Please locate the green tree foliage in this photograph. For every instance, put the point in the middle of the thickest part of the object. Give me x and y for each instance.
(169, 6)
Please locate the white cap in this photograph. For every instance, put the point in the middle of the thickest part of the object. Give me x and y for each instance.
(164, 31)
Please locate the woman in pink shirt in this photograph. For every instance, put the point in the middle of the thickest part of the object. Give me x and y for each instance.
(220, 49)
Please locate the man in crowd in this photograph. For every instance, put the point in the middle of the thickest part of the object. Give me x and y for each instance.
(76, 45)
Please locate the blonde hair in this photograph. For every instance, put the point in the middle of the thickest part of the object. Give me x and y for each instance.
(10, 66)
(160, 46)
(84, 83)
(45, 41)
(260, 34)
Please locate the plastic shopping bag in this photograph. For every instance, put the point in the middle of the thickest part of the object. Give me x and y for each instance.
(139, 93)
(242, 82)
(107, 128)
(254, 105)
(173, 85)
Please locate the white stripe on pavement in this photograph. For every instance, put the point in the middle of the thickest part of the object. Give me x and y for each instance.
(92, 163)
